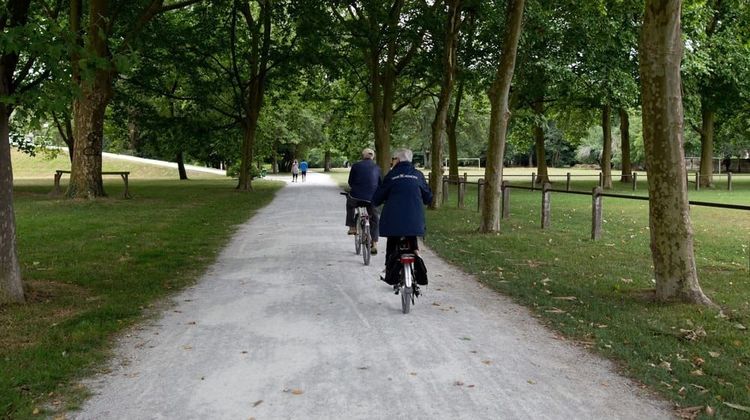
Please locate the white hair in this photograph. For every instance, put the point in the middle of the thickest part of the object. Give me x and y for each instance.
(404, 155)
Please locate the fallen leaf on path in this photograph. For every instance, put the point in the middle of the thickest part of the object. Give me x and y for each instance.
(714, 353)
(413, 373)
(666, 365)
(458, 383)
(297, 391)
(191, 323)
(487, 362)
(257, 403)
(689, 412)
(699, 361)
(531, 382)
(186, 347)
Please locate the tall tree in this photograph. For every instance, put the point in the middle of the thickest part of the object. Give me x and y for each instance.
(13, 18)
(258, 27)
(669, 211)
(716, 67)
(439, 124)
(110, 33)
(499, 117)
(388, 36)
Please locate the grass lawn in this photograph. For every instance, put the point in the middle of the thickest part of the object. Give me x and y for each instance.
(93, 268)
(597, 294)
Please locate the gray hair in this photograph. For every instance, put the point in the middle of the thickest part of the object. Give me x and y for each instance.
(403, 155)
(368, 153)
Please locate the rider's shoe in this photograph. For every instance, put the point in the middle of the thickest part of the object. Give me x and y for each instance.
(352, 231)
(374, 249)
(396, 289)
(382, 275)
(417, 292)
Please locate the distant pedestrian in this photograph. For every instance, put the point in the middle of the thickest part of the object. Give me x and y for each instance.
(303, 169)
(295, 170)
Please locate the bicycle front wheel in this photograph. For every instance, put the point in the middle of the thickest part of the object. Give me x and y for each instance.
(366, 246)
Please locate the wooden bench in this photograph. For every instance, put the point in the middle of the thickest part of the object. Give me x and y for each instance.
(123, 174)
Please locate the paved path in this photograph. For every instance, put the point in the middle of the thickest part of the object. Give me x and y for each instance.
(289, 324)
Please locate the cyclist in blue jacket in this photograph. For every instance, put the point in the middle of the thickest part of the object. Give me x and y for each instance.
(405, 193)
(364, 179)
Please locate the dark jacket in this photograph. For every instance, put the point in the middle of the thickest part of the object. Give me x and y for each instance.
(404, 192)
(364, 179)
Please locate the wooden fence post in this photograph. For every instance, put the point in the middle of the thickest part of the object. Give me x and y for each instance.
(462, 190)
(533, 180)
(596, 213)
(601, 179)
(567, 183)
(697, 181)
(729, 181)
(480, 193)
(506, 199)
(545, 204)
(635, 180)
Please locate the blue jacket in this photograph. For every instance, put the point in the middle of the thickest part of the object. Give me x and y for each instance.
(364, 179)
(404, 192)
(303, 166)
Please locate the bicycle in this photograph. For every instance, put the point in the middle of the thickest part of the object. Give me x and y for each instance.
(407, 287)
(362, 238)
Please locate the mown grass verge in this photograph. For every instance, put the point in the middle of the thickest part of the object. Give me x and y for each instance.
(599, 293)
(92, 268)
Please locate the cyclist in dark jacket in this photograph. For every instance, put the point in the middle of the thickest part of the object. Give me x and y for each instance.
(364, 179)
(404, 192)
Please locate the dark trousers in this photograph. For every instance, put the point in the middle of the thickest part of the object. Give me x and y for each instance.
(352, 204)
(391, 247)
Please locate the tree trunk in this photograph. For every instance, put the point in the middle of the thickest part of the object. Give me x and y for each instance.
(542, 175)
(327, 161)
(248, 141)
(275, 158)
(86, 168)
(11, 286)
(627, 169)
(382, 112)
(707, 147)
(444, 100)
(180, 158)
(89, 109)
(452, 136)
(606, 160)
(669, 211)
(499, 116)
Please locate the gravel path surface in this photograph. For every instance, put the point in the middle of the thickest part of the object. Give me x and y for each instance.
(289, 324)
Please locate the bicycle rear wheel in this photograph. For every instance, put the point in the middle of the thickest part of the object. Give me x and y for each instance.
(358, 238)
(406, 291)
